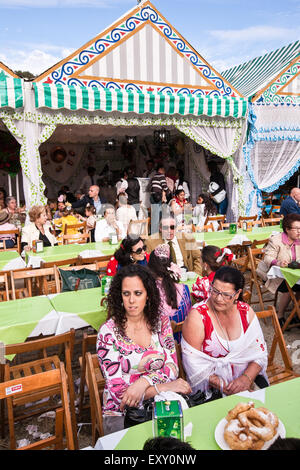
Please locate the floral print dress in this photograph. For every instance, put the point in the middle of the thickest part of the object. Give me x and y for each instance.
(123, 362)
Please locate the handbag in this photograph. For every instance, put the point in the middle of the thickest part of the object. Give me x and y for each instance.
(220, 196)
(79, 279)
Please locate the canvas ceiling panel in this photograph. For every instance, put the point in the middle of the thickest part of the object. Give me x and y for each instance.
(157, 62)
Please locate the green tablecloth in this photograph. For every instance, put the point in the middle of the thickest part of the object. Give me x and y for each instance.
(223, 237)
(61, 252)
(292, 276)
(26, 317)
(282, 399)
(10, 260)
(78, 309)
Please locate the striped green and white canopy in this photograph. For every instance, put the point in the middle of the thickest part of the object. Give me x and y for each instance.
(93, 99)
(252, 76)
(11, 92)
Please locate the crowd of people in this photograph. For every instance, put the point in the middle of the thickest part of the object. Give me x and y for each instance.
(223, 347)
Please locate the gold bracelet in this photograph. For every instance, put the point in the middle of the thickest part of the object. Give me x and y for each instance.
(247, 377)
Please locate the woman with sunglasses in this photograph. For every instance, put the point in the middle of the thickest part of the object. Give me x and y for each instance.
(223, 348)
(132, 251)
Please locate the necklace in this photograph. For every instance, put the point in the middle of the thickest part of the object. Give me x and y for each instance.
(222, 329)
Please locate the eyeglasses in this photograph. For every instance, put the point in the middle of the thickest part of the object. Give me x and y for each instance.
(138, 251)
(294, 229)
(224, 295)
(168, 227)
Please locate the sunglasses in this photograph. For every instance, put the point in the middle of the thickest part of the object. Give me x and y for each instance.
(168, 227)
(139, 250)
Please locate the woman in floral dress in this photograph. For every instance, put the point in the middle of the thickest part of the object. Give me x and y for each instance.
(135, 347)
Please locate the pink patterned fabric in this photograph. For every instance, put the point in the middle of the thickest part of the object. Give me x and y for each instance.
(123, 362)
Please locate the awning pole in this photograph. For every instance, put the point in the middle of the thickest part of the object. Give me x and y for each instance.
(17, 190)
(9, 185)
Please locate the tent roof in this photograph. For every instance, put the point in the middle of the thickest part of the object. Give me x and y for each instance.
(141, 51)
(93, 99)
(6, 71)
(253, 76)
(11, 92)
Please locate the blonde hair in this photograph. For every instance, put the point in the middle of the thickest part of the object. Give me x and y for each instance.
(35, 212)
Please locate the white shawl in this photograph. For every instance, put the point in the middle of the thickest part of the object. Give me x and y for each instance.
(199, 366)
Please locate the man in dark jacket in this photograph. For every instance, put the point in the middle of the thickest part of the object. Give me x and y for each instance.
(133, 190)
(290, 205)
(93, 199)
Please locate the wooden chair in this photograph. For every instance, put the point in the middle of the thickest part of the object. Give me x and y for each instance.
(139, 227)
(4, 287)
(255, 255)
(276, 372)
(17, 233)
(87, 341)
(28, 276)
(96, 384)
(177, 328)
(271, 221)
(64, 262)
(77, 238)
(81, 226)
(32, 368)
(275, 211)
(215, 218)
(250, 218)
(208, 228)
(100, 261)
(224, 225)
(295, 310)
(22, 387)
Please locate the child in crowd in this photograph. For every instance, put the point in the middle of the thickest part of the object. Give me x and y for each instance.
(213, 258)
(68, 218)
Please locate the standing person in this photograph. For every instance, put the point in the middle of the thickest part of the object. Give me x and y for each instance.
(150, 171)
(135, 347)
(223, 347)
(89, 180)
(2, 198)
(93, 198)
(290, 205)
(133, 190)
(158, 195)
(109, 226)
(183, 249)
(217, 188)
(181, 184)
(178, 205)
(125, 212)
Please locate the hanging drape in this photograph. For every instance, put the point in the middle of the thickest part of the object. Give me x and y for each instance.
(272, 152)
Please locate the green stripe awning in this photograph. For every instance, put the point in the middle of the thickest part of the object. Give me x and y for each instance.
(11, 92)
(94, 99)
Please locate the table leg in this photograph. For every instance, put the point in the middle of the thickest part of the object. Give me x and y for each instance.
(295, 310)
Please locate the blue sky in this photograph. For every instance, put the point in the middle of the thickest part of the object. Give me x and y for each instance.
(36, 34)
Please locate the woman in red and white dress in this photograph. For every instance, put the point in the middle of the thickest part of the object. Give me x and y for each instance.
(223, 347)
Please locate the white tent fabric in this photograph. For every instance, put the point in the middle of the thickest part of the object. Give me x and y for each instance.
(272, 153)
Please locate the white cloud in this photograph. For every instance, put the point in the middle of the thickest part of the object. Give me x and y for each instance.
(253, 34)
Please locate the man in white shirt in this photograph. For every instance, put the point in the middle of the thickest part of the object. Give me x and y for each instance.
(109, 226)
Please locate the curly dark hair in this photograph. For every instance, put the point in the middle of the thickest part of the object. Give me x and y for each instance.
(116, 309)
(123, 253)
(159, 267)
(210, 208)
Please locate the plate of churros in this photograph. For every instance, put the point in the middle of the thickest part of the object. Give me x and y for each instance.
(246, 427)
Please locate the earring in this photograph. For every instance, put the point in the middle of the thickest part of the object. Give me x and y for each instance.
(131, 258)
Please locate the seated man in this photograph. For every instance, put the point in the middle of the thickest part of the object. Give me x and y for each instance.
(290, 205)
(183, 246)
(93, 198)
(109, 226)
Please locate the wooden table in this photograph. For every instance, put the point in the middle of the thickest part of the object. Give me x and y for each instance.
(61, 252)
(223, 238)
(282, 399)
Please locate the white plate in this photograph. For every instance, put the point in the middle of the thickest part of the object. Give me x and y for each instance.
(219, 435)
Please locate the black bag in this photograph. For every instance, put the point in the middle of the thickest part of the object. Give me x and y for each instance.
(156, 197)
(79, 279)
(135, 415)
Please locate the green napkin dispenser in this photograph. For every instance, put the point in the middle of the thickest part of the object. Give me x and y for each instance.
(168, 419)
